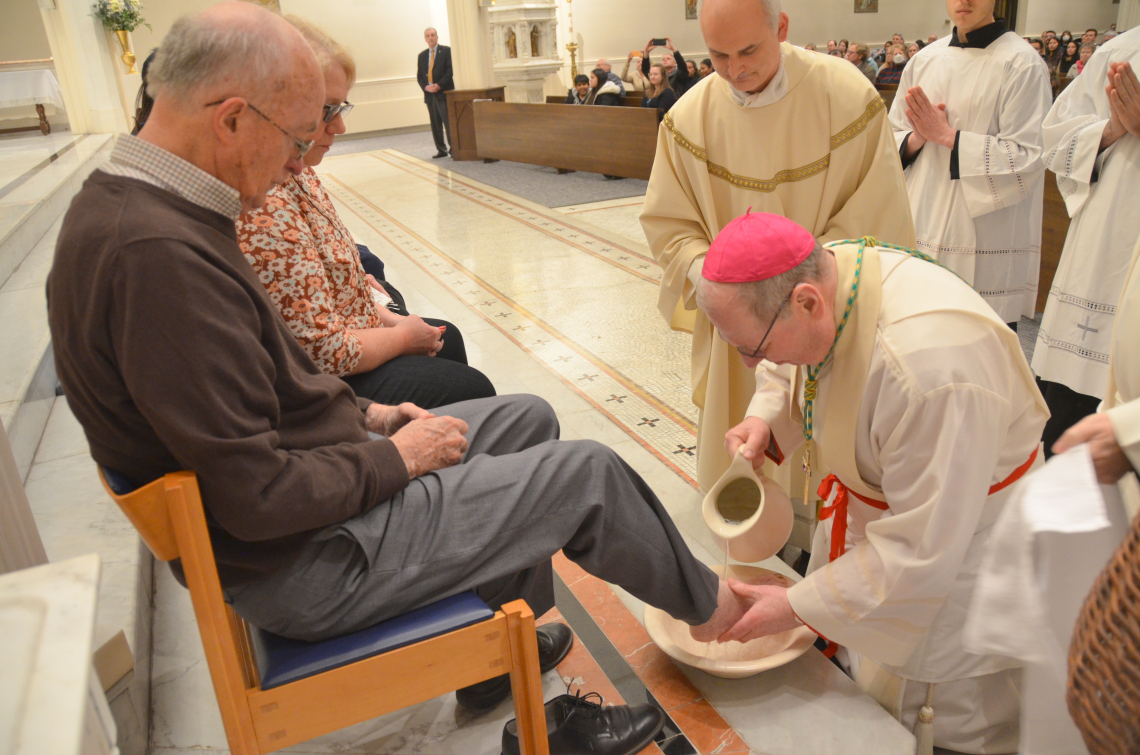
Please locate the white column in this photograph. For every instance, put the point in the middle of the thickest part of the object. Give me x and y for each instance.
(470, 44)
(1129, 15)
(84, 64)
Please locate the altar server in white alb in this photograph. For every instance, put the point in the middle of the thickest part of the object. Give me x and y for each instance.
(967, 120)
(920, 402)
(1092, 143)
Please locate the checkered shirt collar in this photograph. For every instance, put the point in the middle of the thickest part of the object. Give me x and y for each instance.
(135, 158)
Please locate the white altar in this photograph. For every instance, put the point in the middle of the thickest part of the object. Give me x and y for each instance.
(524, 46)
(22, 90)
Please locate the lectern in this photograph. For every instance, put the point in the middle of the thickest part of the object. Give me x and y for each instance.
(461, 119)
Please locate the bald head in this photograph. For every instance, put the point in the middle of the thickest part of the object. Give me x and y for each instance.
(726, 11)
(743, 39)
(237, 92)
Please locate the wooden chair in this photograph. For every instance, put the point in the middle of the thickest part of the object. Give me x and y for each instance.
(274, 692)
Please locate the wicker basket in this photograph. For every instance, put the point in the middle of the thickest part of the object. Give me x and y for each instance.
(1104, 657)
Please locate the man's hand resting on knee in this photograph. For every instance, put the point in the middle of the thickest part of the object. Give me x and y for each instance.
(430, 444)
(387, 420)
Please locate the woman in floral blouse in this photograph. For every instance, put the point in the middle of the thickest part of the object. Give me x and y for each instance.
(309, 264)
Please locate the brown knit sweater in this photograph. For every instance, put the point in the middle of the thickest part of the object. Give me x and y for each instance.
(173, 357)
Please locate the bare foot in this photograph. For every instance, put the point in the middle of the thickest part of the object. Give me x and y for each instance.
(729, 608)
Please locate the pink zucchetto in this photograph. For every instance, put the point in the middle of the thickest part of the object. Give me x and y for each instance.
(756, 246)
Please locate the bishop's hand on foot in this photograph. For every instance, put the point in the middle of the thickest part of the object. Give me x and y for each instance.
(769, 612)
(746, 611)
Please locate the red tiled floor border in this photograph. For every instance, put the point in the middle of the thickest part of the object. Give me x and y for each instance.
(692, 713)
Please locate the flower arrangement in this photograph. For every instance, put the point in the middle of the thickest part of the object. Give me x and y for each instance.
(119, 15)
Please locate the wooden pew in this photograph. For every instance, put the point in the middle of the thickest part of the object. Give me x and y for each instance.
(1054, 228)
(887, 92)
(558, 136)
(630, 100)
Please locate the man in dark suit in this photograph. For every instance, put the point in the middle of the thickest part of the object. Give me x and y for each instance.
(436, 77)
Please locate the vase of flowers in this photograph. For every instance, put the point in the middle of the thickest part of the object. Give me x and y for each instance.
(121, 17)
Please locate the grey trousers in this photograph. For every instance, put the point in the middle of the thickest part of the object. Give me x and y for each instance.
(491, 524)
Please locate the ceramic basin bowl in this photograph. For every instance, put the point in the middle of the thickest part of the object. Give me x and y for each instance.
(731, 660)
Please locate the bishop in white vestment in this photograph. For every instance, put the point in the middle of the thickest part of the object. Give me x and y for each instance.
(925, 410)
(778, 129)
(976, 180)
(1097, 162)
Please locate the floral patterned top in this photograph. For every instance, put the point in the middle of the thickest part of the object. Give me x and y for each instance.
(308, 262)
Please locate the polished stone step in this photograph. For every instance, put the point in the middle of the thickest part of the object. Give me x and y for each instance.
(27, 371)
(38, 177)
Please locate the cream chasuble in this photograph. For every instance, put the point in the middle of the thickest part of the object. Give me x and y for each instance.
(928, 405)
(984, 221)
(821, 155)
(1100, 190)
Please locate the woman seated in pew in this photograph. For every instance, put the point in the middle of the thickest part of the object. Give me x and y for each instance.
(632, 75)
(1068, 60)
(309, 264)
(892, 69)
(602, 90)
(659, 94)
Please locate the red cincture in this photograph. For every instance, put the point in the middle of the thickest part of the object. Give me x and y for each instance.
(837, 511)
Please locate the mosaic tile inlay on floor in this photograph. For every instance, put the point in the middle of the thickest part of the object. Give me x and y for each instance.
(551, 283)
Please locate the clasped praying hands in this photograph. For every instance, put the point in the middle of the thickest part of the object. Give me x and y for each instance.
(929, 121)
(1123, 90)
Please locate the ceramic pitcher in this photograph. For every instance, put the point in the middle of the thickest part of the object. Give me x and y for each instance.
(761, 519)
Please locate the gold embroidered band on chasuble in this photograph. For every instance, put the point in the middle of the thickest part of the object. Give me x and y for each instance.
(856, 127)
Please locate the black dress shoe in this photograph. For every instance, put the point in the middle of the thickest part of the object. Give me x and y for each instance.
(579, 726)
(554, 643)
(438, 155)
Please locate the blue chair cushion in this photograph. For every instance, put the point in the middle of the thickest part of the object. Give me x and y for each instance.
(281, 660)
(118, 482)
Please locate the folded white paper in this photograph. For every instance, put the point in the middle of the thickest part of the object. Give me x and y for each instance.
(1064, 495)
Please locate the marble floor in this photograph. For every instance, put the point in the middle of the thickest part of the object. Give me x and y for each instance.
(32, 166)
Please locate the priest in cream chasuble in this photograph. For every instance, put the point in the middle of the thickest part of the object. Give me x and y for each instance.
(1097, 162)
(923, 407)
(780, 130)
(967, 119)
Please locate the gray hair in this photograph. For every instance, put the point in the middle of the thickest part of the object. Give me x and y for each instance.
(772, 9)
(199, 53)
(431, 28)
(765, 297)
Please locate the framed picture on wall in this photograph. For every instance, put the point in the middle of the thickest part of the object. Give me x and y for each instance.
(866, 6)
(690, 10)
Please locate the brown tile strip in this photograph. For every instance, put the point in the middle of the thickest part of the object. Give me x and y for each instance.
(697, 719)
(580, 671)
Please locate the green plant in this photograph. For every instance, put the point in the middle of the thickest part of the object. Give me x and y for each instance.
(119, 15)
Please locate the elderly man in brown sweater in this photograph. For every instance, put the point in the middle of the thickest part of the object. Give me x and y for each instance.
(173, 357)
